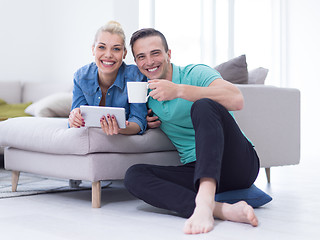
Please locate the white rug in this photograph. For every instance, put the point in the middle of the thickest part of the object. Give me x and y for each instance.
(30, 184)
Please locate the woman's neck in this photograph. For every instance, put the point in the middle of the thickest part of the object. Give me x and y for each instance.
(106, 80)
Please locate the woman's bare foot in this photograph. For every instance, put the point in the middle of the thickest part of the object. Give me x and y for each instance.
(201, 220)
(239, 212)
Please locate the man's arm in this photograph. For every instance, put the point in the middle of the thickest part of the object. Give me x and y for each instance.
(219, 90)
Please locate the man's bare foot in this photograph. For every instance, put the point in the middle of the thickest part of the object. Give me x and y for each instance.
(240, 212)
(201, 220)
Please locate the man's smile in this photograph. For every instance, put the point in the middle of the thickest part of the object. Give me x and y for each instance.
(152, 69)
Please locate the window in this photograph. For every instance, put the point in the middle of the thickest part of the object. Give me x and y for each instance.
(213, 31)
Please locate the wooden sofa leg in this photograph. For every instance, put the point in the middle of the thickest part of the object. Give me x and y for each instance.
(96, 194)
(14, 180)
(268, 174)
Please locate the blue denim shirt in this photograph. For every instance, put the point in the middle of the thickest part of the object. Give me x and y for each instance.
(86, 91)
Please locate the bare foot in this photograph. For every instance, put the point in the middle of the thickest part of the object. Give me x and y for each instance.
(201, 220)
(240, 212)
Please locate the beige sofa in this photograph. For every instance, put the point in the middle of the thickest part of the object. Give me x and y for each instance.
(46, 146)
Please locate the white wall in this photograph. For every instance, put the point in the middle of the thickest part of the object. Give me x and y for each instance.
(303, 51)
(48, 40)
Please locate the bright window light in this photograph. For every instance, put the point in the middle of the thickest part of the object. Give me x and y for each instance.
(213, 31)
(253, 31)
(181, 24)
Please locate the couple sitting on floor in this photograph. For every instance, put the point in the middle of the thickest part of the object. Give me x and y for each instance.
(193, 106)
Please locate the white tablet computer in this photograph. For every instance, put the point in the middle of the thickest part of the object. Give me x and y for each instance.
(92, 115)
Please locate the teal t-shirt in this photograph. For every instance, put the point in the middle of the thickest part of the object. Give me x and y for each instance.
(175, 114)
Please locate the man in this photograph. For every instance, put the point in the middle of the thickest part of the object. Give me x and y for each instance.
(191, 105)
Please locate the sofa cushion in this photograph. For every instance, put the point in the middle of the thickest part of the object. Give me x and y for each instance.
(253, 196)
(153, 140)
(52, 135)
(54, 105)
(235, 70)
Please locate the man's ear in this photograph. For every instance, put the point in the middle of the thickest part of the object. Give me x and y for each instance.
(169, 54)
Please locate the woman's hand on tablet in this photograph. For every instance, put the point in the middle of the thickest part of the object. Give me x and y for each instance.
(75, 118)
(109, 125)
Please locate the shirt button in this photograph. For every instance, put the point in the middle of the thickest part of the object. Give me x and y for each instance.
(99, 97)
(108, 94)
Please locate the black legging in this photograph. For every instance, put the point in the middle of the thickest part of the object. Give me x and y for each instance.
(222, 152)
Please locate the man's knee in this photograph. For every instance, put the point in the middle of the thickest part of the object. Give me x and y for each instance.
(203, 106)
(134, 175)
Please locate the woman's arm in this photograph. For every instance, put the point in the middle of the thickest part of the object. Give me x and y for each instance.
(132, 128)
(78, 98)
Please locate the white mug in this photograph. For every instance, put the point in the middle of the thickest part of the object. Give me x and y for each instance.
(138, 92)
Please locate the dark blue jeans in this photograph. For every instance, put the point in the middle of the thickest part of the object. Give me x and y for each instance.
(222, 152)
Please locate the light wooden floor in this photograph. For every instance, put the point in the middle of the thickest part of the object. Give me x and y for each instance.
(293, 214)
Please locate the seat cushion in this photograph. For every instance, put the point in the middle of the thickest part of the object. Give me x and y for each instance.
(52, 135)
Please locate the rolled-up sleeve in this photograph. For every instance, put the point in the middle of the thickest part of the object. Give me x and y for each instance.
(138, 114)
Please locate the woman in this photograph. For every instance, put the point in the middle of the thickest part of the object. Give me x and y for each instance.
(104, 83)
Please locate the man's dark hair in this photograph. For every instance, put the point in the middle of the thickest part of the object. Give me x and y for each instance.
(148, 32)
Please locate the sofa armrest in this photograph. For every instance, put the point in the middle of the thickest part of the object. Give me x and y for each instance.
(271, 120)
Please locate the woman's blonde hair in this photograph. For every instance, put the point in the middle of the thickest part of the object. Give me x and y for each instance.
(112, 27)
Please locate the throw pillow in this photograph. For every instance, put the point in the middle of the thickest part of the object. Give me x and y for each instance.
(257, 75)
(55, 105)
(12, 110)
(252, 195)
(234, 70)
